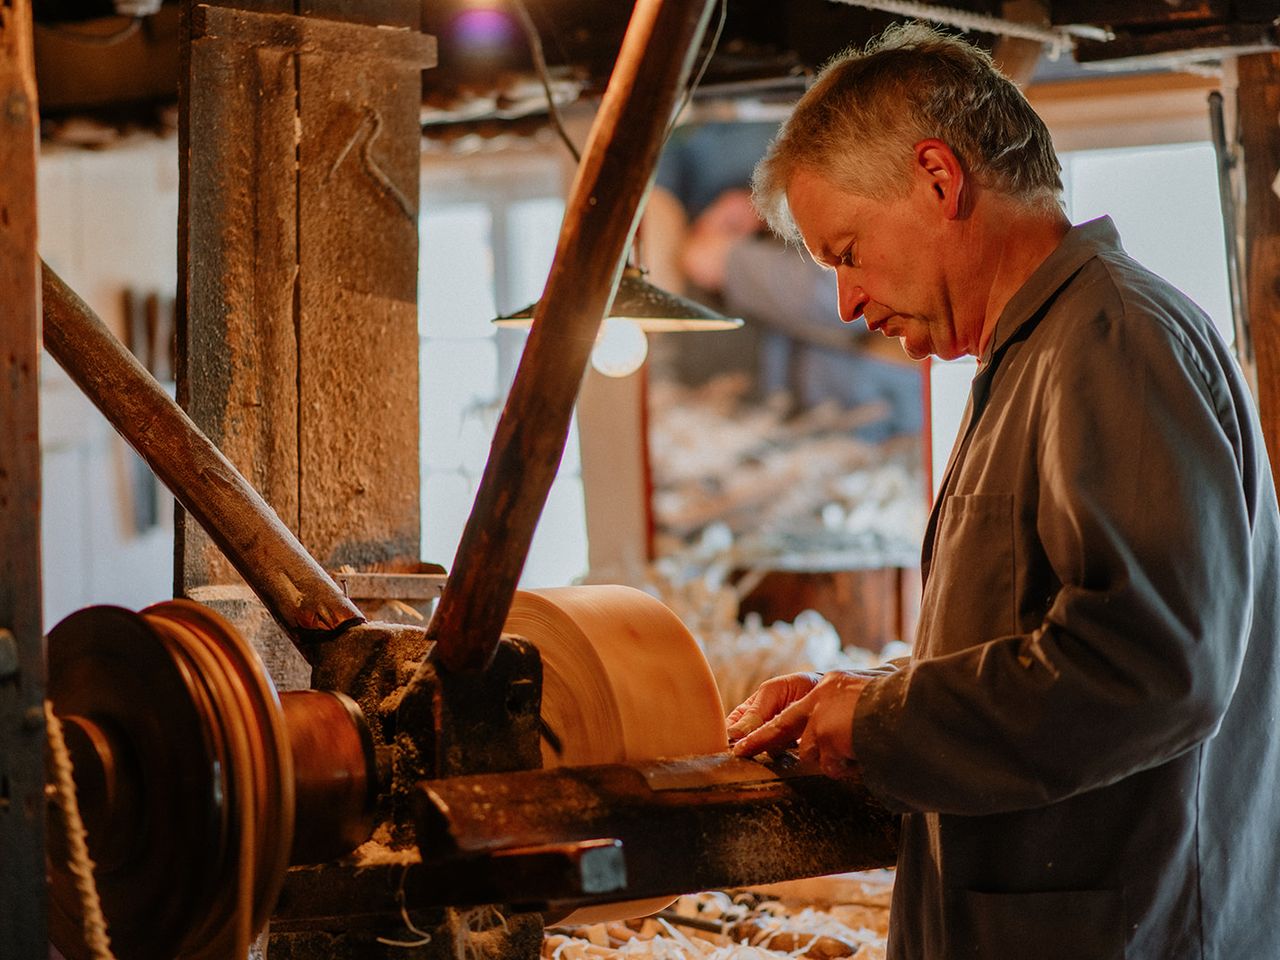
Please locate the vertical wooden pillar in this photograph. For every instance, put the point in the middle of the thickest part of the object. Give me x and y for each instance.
(1258, 105)
(299, 136)
(23, 912)
(298, 252)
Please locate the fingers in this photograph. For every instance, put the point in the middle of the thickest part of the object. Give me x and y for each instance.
(820, 722)
(778, 733)
(745, 717)
(742, 723)
(771, 697)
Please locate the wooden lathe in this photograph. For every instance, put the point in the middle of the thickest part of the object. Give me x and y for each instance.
(214, 804)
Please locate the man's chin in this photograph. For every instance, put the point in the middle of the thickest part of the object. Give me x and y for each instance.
(915, 351)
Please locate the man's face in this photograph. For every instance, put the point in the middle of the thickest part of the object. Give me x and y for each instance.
(891, 260)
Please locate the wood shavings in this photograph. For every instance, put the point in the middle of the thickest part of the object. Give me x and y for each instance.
(753, 930)
(800, 486)
(696, 584)
(377, 850)
(475, 930)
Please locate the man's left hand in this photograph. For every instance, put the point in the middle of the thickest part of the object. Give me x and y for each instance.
(820, 722)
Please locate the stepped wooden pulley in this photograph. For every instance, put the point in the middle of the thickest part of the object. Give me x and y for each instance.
(190, 772)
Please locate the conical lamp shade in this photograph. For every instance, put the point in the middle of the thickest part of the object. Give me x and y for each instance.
(652, 308)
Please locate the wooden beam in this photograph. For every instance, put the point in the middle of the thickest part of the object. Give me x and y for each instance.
(299, 151)
(688, 824)
(1125, 111)
(1258, 106)
(23, 907)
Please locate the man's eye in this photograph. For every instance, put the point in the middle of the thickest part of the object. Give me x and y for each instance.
(848, 258)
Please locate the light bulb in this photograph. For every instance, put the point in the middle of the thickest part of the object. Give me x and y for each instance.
(620, 349)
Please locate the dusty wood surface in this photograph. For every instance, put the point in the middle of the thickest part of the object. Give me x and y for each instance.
(357, 312)
(613, 177)
(300, 595)
(237, 356)
(697, 823)
(23, 907)
(1258, 109)
(299, 147)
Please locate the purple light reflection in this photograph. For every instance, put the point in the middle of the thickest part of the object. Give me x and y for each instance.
(483, 30)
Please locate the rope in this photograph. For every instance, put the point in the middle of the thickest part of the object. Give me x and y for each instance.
(81, 865)
(1059, 39)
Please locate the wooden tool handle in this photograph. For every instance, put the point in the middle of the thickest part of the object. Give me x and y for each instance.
(296, 590)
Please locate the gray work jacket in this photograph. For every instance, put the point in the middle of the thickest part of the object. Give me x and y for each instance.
(1085, 743)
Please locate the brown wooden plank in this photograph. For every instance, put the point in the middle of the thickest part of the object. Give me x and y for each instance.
(357, 320)
(696, 823)
(23, 907)
(1161, 47)
(300, 259)
(1258, 94)
(237, 351)
(315, 34)
(1137, 11)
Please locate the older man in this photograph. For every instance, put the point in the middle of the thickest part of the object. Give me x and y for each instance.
(1084, 744)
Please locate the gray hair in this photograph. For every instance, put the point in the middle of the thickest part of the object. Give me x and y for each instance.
(858, 124)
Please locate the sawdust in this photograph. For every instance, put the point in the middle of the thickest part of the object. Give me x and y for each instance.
(377, 851)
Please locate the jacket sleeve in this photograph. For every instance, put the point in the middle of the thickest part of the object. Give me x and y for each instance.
(1141, 507)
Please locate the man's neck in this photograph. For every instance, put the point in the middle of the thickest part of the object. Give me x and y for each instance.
(1019, 241)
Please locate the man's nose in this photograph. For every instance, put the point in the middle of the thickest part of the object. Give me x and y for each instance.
(853, 299)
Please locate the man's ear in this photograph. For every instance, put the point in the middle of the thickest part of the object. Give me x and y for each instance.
(945, 176)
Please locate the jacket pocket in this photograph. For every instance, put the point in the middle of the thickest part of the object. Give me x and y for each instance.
(1068, 925)
(970, 590)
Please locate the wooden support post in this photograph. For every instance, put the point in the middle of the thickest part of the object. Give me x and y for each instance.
(604, 202)
(1258, 106)
(297, 317)
(23, 907)
(298, 255)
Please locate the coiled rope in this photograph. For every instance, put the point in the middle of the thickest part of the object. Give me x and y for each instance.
(81, 864)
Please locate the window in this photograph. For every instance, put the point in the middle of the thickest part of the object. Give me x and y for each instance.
(488, 231)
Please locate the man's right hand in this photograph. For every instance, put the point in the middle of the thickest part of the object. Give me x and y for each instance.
(770, 699)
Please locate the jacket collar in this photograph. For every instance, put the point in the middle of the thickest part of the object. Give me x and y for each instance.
(1080, 245)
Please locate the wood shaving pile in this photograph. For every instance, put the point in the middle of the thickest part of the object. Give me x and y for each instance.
(782, 485)
(756, 926)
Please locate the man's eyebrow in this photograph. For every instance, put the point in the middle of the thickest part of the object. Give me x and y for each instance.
(827, 258)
